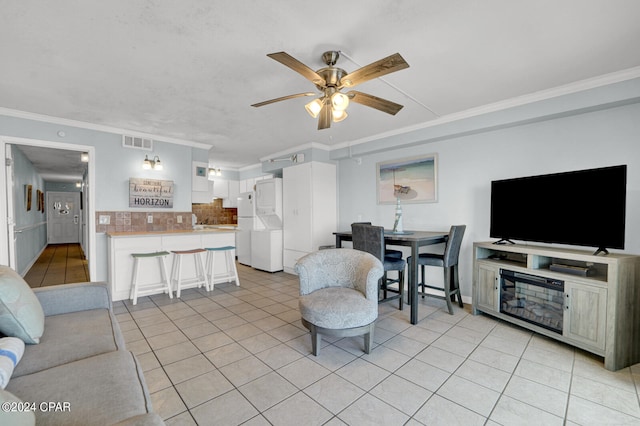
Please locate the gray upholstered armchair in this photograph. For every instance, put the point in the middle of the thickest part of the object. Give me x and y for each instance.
(339, 294)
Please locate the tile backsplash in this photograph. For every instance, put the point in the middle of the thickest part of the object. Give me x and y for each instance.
(126, 221)
(214, 214)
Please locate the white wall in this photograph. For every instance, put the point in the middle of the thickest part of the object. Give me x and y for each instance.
(31, 226)
(114, 166)
(468, 164)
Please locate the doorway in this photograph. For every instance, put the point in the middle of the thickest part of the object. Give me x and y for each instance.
(86, 215)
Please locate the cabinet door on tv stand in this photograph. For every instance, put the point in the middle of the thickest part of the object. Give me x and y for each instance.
(487, 286)
(585, 314)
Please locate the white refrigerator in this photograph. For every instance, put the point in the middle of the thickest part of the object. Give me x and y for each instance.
(267, 243)
(248, 221)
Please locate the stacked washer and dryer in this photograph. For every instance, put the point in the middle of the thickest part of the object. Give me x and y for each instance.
(259, 242)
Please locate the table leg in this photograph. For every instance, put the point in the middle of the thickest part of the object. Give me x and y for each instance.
(413, 282)
(338, 241)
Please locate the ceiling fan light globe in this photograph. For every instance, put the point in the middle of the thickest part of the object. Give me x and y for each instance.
(339, 101)
(339, 115)
(314, 107)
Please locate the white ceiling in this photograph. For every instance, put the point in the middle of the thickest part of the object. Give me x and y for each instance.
(55, 165)
(190, 70)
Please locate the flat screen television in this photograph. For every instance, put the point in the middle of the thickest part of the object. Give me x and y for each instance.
(584, 208)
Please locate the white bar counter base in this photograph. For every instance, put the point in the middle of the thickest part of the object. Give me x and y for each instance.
(601, 312)
(122, 244)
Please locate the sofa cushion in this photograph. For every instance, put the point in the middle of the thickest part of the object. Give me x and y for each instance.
(11, 414)
(20, 312)
(11, 351)
(100, 390)
(70, 337)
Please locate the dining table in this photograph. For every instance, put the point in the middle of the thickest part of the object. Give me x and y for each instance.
(413, 239)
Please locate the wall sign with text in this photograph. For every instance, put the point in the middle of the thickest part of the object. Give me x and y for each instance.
(150, 193)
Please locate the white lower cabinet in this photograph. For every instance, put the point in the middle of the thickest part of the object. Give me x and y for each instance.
(122, 245)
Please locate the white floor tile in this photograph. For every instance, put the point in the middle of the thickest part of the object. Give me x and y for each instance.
(240, 355)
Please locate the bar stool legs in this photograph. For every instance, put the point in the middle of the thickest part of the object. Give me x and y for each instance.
(138, 289)
(177, 281)
(231, 270)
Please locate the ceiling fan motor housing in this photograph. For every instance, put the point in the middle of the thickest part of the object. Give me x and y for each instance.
(332, 77)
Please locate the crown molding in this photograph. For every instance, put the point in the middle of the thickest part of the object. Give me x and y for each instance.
(542, 95)
(99, 127)
(310, 145)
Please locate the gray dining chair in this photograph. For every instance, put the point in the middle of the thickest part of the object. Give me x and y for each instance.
(339, 294)
(448, 260)
(371, 239)
(387, 251)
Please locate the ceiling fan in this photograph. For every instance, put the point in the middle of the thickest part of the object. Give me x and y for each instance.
(330, 80)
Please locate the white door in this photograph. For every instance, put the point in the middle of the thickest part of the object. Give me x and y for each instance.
(63, 217)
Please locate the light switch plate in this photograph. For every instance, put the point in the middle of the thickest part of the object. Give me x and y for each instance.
(179, 218)
(150, 219)
(104, 219)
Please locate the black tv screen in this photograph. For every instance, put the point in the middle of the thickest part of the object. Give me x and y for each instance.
(584, 208)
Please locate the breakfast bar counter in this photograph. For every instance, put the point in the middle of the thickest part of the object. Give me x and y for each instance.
(122, 244)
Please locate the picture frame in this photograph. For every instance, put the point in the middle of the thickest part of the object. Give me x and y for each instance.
(408, 180)
(27, 196)
(38, 192)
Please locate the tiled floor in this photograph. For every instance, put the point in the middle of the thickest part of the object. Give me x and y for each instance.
(239, 355)
(58, 264)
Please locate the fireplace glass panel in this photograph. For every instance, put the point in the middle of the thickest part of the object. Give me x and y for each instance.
(533, 299)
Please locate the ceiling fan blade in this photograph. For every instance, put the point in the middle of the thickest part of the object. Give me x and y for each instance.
(284, 98)
(376, 69)
(299, 67)
(374, 102)
(324, 118)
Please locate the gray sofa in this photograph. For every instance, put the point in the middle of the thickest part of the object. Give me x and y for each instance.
(81, 362)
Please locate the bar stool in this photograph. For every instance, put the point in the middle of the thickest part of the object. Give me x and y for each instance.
(371, 239)
(231, 270)
(176, 270)
(449, 262)
(138, 289)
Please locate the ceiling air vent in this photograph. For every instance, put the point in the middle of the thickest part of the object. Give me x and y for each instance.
(137, 143)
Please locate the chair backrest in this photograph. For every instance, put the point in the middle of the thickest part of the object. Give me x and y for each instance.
(368, 238)
(452, 249)
(341, 267)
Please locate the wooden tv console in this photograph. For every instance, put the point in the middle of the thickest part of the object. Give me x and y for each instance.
(601, 310)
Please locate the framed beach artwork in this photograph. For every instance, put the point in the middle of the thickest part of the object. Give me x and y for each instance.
(410, 180)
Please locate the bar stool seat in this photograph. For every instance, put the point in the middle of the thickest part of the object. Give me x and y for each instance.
(138, 289)
(231, 272)
(177, 281)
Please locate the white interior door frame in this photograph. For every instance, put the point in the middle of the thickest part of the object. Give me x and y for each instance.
(5, 202)
(9, 210)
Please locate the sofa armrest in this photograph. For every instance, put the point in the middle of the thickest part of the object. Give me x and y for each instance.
(149, 419)
(66, 298)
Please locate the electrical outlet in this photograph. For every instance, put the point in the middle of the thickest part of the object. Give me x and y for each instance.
(150, 219)
(179, 218)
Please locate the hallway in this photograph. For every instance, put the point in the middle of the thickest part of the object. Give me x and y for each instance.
(59, 264)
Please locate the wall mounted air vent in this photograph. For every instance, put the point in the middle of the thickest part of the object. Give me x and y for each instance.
(137, 143)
